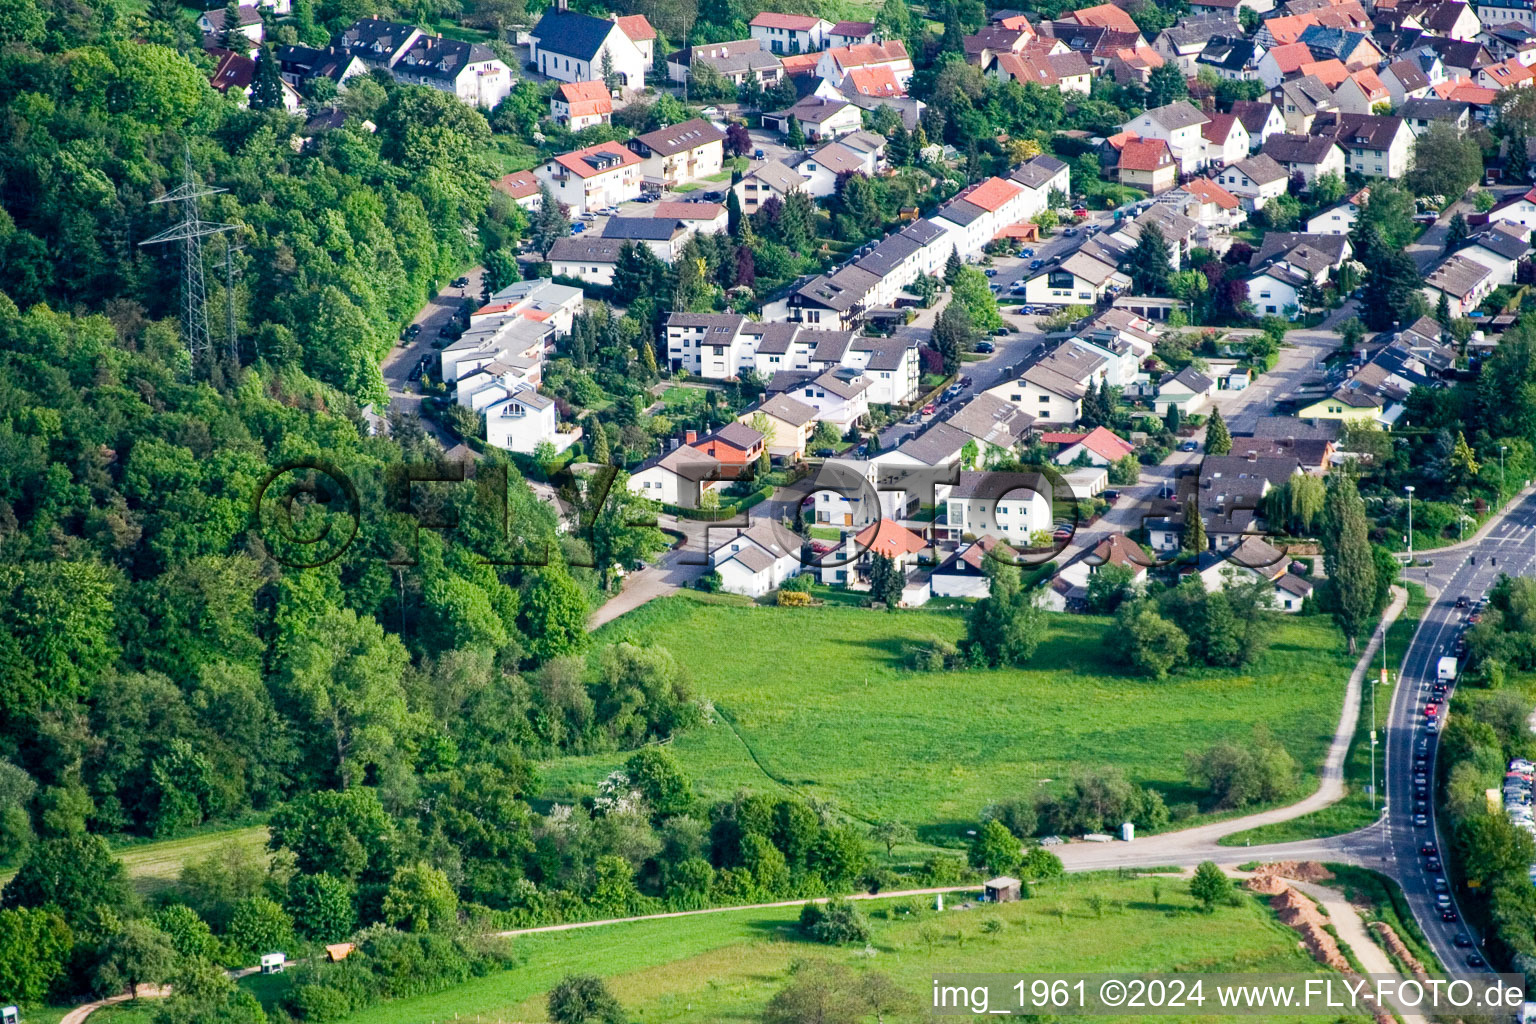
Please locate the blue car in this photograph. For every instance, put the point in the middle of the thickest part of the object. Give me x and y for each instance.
(1036, 264)
(1026, 252)
(578, 228)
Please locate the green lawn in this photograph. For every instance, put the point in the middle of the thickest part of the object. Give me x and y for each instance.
(723, 967)
(1355, 810)
(507, 155)
(685, 400)
(818, 701)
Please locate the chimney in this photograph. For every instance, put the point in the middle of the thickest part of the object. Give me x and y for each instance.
(690, 436)
(1253, 456)
(1290, 442)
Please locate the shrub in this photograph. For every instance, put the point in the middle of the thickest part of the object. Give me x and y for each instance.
(933, 656)
(794, 599)
(836, 923)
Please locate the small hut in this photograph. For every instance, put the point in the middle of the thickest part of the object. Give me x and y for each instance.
(273, 963)
(1001, 889)
(336, 952)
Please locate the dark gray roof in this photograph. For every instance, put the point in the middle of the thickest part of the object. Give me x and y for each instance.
(1290, 426)
(888, 255)
(1229, 54)
(649, 229)
(1279, 245)
(960, 212)
(1425, 108)
(1298, 149)
(1035, 173)
(1200, 29)
(1501, 242)
(1190, 378)
(441, 58)
(991, 419)
(679, 137)
(935, 445)
(1176, 115)
(572, 34)
(993, 486)
(586, 250)
(373, 39)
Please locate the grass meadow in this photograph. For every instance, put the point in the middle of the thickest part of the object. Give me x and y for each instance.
(722, 968)
(819, 702)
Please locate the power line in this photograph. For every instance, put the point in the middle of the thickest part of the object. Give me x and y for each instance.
(190, 231)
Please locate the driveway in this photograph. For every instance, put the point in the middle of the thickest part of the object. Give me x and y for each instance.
(404, 394)
(676, 568)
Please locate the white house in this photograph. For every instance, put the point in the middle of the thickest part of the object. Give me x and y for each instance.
(1226, 140)
(768, 180)
(840, 397)
(470, 71)
(1080, 278)
(606, 174)
(1307, 155)
(757, 560)
(879, 60)
(678, 477)
(964, 573)
(1179, 124)
(1010, 506)
(822, 168)
(1499, 250)
(520, 419)
(579, 105)
(1464, 283)
(1101, 446)
(1340, 219)
(1375, 145)
(1255, 181)
(1070, 587)
(680, 153)
(1519, 208)
(791, 33)
(211, 22)
(1189, 390)
(570, 47)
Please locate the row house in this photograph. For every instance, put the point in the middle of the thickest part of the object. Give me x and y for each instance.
(889, 58)
(520, 322)
(1051, 388)
(791, 33)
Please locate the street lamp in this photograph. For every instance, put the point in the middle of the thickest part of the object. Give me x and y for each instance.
(1410, 489)
(1462, 521)
(1379, 682)
(1502, 449)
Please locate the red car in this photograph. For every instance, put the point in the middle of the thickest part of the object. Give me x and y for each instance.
(929, 409)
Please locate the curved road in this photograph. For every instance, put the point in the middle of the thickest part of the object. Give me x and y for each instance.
(1511, 540)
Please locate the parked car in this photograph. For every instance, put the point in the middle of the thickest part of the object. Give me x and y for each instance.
(710, 112)
(999, 332)
(990, 271)
(1190, 446)
(929, 409)
(758, 154)
(1062, 532)
(1110, 495)
(1070, 232)
(1026, 253)
(412, 331)
(985, 347)
(965, 382)
(1036, 264)
(825, 453)
(1027, 310)
(578, 228)
(713, 197)
(461, 282)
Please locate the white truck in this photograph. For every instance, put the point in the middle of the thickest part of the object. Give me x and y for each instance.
(1446, 671)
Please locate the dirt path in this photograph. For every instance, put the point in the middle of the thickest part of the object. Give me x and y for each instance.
(1198, 843)
(1351, 927)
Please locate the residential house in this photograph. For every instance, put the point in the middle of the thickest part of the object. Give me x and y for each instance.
(758, 559)
(767, 180)
(1281, 62)
(1421, 113)
(1231, 7)
(579, 105)
(737, 61)
(790, 425)
(586, 258)
(1301, 101)
(1517, 208)
(888, 59)
(1011, 506)
(1463, 281)
(522, 187)
(1104, 16)
(1506, 74)
(1066, 72)
(678, 477)
(470, 71)
(1330, 71)
(1307, 155)
(1099, 447)
(855, 33)
(664, 236)
(300, 65)
(571, 47)
(1255, 180)
(519, 419)
(1179, 125)
(680, 153)
(1148, 165)
(1081, 278)
(376, 42)
(1212, 207)
(1404, 80)
(838, 300)
(820, 118)
(822, 169)
(606, 174)
(1069, 589)
(1232, 58)
(1039, 177)
(1246, 560)
(1226, 140)
(1500, 249)
(1184, 41)
(235, 74)
(886, 537)
(1010, 36)
(1353, 49)
(791, 33)
(1363, 92)
(849, 494)
(735, 446)
(1051, 388)
(993, 423)
(1457, 59)
(840, 397)
(211, 23)
(1374, 145)
(964, 573)
(517, 328)
(1340, 219)
(696, 218)
(1287, 264)
(1189, 390)
(1261, 119)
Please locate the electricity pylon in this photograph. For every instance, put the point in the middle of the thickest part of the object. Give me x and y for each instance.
(190, 232)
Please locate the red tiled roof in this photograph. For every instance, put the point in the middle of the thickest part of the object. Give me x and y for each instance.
(636, 27)
(800, 63)
(1332, 72)
(518, 185)
(1370, 84)
(1218, 127)
(235, 71)
(687, 211)
(889, 538)
(1107, 444)
(861, 54)
(586, 98)
(875, 81)
(1060, 437)
(1105, 16)
(1210, 192)
(793, 22)
(574, 163)
(1290, 57)
(1145, 155)
(991, 194)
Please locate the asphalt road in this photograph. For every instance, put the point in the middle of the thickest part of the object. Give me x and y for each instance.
(1512, 542)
